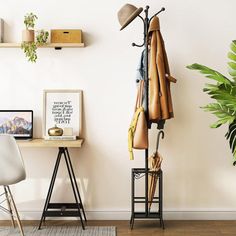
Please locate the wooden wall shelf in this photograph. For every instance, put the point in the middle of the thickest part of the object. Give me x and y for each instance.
(48, 45)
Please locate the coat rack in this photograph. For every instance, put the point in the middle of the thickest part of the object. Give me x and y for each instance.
(138, 173)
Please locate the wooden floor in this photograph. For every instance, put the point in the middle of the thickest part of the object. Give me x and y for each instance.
(151, 228)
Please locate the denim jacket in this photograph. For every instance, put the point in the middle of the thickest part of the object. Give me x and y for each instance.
(141, 76)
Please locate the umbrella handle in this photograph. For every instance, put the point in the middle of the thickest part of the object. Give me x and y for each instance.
(162, 134)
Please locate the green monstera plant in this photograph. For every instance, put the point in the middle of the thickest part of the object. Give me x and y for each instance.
(224, 93)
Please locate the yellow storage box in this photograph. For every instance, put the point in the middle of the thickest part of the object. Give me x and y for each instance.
(66, 36)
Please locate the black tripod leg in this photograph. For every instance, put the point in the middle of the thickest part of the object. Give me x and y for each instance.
(74, 178)
(49, 194)
(73, 187)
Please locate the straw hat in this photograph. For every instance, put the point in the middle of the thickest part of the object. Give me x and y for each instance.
(127, 14)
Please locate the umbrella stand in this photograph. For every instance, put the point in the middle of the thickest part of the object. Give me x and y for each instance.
(152, 177)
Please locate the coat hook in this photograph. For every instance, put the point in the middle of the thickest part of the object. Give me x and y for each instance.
(146, 9)
(162, 9)
(136, 45)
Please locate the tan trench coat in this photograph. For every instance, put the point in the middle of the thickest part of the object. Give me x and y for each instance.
(160, 103)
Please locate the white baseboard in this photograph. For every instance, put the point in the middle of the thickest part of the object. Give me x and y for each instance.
(125, 215)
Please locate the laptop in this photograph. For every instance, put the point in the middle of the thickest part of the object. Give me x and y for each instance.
(18, 123)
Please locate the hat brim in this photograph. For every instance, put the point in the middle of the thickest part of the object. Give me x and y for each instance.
(132, 17)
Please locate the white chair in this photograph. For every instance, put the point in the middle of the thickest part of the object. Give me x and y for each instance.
(12, 171)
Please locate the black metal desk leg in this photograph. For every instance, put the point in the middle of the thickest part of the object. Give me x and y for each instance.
(49, 194)
(63, 209)
(74, 178)
(73, 186)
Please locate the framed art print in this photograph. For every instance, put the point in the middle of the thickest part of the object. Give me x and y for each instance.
(62, 108)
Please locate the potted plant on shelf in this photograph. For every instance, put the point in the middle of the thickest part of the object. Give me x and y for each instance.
(224, 93)
(28, 44)
(28, 33)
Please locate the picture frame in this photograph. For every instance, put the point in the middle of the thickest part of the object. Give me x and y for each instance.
(63, 108)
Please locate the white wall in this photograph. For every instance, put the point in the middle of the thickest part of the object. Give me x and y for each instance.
(199, 179)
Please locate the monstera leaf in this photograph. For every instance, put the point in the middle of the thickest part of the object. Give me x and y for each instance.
(232, 57)
(210, 73)
(224, 114)
(231, 136)
(224, 92)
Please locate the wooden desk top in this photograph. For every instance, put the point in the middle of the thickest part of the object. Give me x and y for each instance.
(38, 142)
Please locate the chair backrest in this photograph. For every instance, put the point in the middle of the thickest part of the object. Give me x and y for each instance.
(12, 168)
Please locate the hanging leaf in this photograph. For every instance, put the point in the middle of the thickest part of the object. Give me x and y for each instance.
(232, 72)
(231, 136)
(224, 114)
(232, 65)
(231, 126)
(224, 95)
(218, 123)
(221, 111)
(233, 46)
(232, 56)
(210, 73)
(210, 87)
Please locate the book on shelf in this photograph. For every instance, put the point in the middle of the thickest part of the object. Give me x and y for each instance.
(65, 137)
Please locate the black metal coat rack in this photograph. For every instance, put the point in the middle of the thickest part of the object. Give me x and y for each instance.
(138, 173)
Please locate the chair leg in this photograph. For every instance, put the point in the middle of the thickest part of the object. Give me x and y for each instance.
(16, 212)
(9, 206)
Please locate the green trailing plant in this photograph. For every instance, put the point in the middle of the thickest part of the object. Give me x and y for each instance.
(224, 94)
(29, 20)
(42, 37)
(29, 49)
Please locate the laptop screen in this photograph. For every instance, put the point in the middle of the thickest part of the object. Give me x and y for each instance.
(18, 123)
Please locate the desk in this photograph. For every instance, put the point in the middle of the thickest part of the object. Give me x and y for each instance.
(74, 208)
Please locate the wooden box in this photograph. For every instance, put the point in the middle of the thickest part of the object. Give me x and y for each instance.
(66, 36)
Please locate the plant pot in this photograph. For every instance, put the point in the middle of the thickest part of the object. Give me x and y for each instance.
(28, 36)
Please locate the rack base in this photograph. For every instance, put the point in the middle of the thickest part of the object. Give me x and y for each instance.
(138, 173)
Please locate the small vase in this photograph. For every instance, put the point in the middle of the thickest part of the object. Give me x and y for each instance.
(28, 36)
(55, 131)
